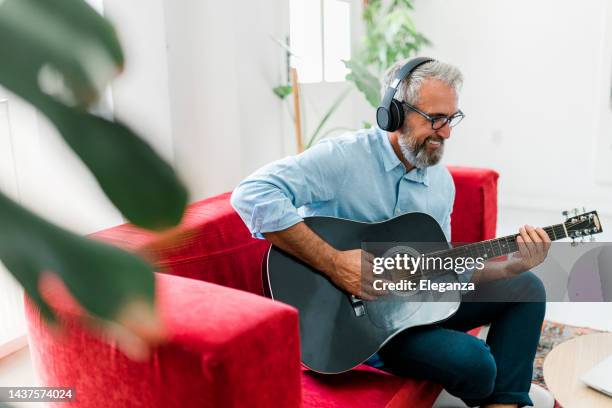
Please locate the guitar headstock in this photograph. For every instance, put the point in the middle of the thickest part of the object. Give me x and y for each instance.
(582, 225)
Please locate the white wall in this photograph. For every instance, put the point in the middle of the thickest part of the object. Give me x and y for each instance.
(604, 101)
(222, 66)
(140, 93)
(535, 76)
(198, 84)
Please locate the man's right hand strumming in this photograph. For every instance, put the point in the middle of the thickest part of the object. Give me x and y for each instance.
(342, 267)
(349, 274)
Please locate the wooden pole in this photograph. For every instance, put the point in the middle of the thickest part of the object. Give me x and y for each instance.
(298, 113)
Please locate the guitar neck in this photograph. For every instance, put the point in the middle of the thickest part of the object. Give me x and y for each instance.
(499, 246)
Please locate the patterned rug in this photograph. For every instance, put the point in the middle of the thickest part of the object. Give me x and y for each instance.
(553, 334)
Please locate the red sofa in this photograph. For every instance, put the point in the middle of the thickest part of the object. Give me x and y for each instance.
(227, 347)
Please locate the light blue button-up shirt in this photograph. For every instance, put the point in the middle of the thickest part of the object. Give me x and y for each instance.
(356, 176)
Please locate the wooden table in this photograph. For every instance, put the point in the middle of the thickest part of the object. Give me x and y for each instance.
(568, 361)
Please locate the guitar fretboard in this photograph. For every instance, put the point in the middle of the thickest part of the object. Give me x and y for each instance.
(497, 247)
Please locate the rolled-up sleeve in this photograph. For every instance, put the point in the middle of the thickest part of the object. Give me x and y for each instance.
(268, 200)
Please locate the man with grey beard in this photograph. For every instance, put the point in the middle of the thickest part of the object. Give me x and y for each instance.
(371, 176)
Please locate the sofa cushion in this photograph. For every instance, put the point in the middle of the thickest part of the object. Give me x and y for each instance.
(366, 387)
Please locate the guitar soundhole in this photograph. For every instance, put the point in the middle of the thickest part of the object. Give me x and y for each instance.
(398, 306)
(404, 308)
(400, 276)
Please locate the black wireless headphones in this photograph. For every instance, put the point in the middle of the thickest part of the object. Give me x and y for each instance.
(390, 113)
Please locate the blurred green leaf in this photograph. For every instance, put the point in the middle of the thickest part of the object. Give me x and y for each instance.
(103, 278)
(64, 47)
(367, 83)
(282, 91)
(400, 3)
(137, 181)
(60, 57)
(67, 55)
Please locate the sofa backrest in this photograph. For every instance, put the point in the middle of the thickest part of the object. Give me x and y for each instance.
(474, 215)
(213, 244)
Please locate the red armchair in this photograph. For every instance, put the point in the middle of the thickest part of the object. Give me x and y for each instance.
(227, 347)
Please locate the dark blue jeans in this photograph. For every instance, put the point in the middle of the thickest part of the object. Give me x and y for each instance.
(498, 371)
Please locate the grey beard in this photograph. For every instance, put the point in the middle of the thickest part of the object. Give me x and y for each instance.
(417, 155)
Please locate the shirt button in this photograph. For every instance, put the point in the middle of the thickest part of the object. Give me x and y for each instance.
(398, 211)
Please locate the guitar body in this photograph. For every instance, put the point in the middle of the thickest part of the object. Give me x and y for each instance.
(337, 331)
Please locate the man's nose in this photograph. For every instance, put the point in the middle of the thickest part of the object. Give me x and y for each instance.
(444, 132)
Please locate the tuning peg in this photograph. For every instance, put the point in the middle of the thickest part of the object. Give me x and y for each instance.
(583, 210)
(574, 243)
(592, 239)
(565, 214)
(575, 211)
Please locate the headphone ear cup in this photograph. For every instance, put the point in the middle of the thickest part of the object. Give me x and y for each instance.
(383, 118)
(396, 111)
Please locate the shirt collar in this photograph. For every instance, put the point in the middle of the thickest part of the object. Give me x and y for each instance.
(391, 161)
(418, 175)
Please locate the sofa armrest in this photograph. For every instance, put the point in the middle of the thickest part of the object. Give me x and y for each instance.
(211, 244)
(225, 347)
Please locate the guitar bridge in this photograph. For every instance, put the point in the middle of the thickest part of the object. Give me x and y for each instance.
(358, 306)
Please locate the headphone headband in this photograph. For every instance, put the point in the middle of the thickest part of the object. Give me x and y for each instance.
(390, 114)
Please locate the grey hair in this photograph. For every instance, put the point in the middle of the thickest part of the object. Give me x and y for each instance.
(408, 90)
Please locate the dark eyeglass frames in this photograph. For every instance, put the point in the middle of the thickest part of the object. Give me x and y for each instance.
(438, 121)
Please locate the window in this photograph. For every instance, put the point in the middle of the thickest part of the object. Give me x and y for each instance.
(320, 38)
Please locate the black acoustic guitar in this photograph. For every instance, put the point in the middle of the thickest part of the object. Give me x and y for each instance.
(339, 331)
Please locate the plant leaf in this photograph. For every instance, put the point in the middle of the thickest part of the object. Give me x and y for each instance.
(103, 279)
(390, 35)
(367, 83)
(282, 91)
(65, 47)
(67, 53)
(136, 180)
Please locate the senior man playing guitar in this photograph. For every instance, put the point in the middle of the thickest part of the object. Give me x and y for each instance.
(373, 175)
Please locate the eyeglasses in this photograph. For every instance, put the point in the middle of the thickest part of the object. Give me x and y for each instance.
(439, 121)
